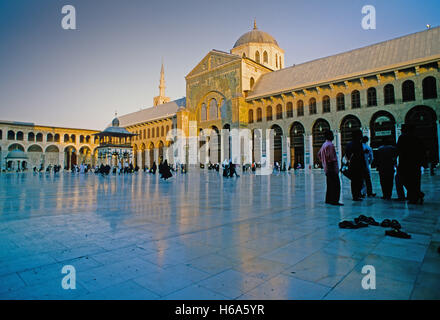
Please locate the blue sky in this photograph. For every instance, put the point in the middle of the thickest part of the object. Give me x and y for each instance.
(78, 78)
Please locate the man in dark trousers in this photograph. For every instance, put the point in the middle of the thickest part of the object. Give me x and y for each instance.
(385, 162)
(329, 160)
(412, 156)
(355, 154)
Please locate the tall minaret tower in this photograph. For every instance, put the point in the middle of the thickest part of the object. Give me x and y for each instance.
(161, 98)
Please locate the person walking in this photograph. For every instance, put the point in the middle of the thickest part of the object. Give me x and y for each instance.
(412, 156)
(385, 162)
(355, 154)
(368, 154)
(328, 158)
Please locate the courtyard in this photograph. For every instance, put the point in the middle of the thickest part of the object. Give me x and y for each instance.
(201, 236)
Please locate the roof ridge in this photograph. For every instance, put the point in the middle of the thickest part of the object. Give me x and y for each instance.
(352, 50)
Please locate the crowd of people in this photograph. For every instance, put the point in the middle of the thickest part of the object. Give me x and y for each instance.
(401, 163)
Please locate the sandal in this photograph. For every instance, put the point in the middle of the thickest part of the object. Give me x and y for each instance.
(386, 223)
(395, 225)
(372, 222)
(361, 225)
(347, 225)
(397, 234)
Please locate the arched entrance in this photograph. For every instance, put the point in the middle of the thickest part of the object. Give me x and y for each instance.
(424, 120)
(318, 131)
(277, 146)
(36, 157)
(70, 158)
(85, 155)
(383, 129)
(297, 145)
(52, 155)
(348, 125)
(135, 155)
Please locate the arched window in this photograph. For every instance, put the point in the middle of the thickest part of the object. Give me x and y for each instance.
(312, 106)
(152, 132)
(340, 102)
(213, 109)
(11, 135)
(157, 132)
(269, 113)
(49, 137)
(259, 115)
(57, 137)
(355, 99)
(257, 56)
(371, 97)
(252, 82)
(162, 131)
(167, 129)
(72, 138)
(243, 55)
(1, 134)
(326, 104)
(429, 88)
(279, 112)
(280, 63)
(388, 94)
(39, 137)
(300, 108)
(289, 109)
(265, 58)
(81, 139)
(251, 116)
(148, 133)
(20, 136)
(408, 91)
(276, 60)
(31, 136)
(203, 113)
(66, 138)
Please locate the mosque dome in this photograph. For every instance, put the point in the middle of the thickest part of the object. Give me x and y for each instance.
(115, 122)
(255, 36)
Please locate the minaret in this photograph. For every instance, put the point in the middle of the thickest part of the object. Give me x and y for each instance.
(161, 98)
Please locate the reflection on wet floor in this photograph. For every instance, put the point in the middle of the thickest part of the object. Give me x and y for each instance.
(200, 236)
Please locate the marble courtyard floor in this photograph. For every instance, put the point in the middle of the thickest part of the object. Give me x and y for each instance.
(198, 236)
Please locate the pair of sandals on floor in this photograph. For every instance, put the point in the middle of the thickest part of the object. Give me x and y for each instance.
(363, 221)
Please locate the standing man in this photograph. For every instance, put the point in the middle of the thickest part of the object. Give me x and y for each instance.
(357, 166)
(368, 153)
(412, 156)
(328, 158)
(385, 162)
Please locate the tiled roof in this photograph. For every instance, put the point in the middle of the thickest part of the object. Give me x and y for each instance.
(149, 114)
(376, 57)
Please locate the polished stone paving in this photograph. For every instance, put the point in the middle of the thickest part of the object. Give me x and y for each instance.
(200, 236)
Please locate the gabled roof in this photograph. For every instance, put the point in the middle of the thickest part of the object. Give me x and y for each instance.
(424, 45)
(160, 111)
(223, 58)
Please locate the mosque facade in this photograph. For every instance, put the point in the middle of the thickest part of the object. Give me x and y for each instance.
(375, 88)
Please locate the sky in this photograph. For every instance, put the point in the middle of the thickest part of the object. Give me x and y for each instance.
(111, 62)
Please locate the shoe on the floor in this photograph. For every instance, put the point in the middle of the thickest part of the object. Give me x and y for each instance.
(372, 222)
(397, 234)
(371, 195)
(347, 225)
(335, 203)
(395, 225)
(386, 223)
